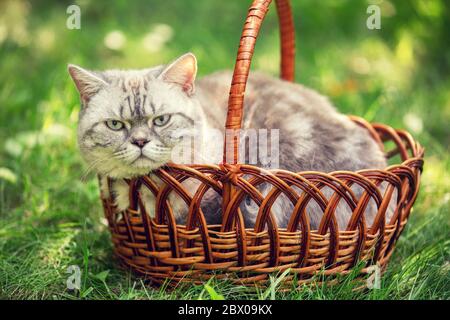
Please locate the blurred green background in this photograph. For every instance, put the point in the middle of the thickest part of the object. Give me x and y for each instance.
(50, 219)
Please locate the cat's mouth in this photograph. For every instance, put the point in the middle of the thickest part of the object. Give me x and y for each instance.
(141, 159)
(144, 163)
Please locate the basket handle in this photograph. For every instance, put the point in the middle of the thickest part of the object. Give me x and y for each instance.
(255, 17)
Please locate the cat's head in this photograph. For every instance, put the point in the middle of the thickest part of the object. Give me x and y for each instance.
(130, 121)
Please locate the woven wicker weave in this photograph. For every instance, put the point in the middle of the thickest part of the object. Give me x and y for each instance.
(160, 249)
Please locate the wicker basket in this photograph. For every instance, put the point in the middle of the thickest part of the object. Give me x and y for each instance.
(161, 250)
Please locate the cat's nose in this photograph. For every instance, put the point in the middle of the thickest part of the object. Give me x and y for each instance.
(139, 142)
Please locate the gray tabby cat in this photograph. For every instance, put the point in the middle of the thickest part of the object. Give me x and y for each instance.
(131, 122)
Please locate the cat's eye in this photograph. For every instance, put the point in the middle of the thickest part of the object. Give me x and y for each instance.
(161, 120)
(115, 125)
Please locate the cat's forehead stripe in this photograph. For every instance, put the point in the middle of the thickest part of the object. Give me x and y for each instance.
(136, 99)
(122, 84)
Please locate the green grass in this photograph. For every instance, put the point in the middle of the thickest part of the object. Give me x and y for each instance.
(50, 219)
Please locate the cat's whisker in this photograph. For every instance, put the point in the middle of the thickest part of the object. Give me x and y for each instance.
(122, 156)
(91, 167)
(120, 152)
(117, 155)
(129, 158)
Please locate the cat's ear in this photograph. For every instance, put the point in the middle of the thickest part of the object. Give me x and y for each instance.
(87, 83)
(182, 72)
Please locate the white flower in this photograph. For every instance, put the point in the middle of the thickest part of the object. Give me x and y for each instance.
(115, 40)
(157, 37)
(413, 122)
(8, 175)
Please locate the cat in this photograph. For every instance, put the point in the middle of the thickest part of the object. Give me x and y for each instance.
(131, 121)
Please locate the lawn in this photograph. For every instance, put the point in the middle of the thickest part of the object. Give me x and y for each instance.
(51, 218)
